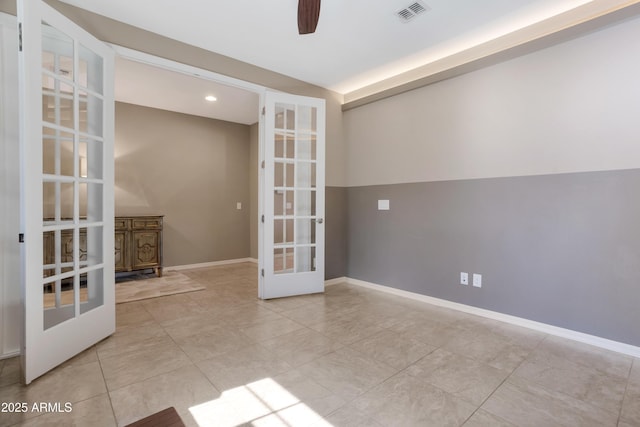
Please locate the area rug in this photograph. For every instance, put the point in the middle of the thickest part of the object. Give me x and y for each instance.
(170, 283)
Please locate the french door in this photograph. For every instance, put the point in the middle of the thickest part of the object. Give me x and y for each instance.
(292, 190)
(66, 151)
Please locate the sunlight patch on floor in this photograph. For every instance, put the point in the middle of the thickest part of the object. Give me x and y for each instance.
(260, 403)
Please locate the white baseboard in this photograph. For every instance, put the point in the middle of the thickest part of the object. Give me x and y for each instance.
(335, 281)
(253, 260)
(209, 264)
(9, 355)
(531, 324)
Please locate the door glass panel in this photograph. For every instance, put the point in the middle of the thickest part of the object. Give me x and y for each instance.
(305, 203)
(57, 201)
(91, 290)
(58, 107)
(306, 177)
(290, 174)
(58, 301)
(305, 259)
(91, 158)
(279, 145)
(290, 146)
(285, 116)
(305, 231)
(289, 202)
(48, 261)
(90, 70)
(57, 152)
(57, 52)
(307, 118)
(90, 114)
(91, 246)
(283, 260)
(306, 147)
(278, 174)
(65, 252)
(90, 200)
(278, 261)
(278, 202)
(283, 231)
(278, 231)
(290, 117)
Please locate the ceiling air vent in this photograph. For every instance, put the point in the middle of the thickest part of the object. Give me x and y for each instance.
(411, 11)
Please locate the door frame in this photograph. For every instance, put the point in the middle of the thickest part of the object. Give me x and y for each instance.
(261, 91)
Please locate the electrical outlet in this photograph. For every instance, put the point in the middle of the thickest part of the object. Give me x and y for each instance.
(477, 280)
(464, 278)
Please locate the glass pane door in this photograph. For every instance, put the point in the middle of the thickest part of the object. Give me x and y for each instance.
(72, 177)
(294, 196)
(67, 188)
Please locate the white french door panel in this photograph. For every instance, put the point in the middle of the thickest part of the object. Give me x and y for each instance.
(66, 187)
(292, 191)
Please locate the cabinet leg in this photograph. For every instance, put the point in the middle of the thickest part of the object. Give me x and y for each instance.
(158, 271)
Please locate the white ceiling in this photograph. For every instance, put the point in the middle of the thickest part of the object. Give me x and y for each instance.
(357, 42)
(141, 84)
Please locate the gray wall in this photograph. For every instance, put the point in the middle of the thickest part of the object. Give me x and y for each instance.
(526, 172)
(559, 249)
(336, 232)
(191, 169)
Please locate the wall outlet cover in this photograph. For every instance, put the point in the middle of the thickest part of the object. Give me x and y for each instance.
(477, 280)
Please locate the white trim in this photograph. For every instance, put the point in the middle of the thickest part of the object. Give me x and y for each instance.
(526, 323)
(253, 260)
(167, 64)
(209, 264)
(9, 355)
(336, 281)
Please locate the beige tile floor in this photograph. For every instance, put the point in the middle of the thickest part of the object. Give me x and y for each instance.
(349, 357)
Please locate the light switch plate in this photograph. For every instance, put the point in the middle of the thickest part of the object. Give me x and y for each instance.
(239, 205)
(464, 278)
(383, 205)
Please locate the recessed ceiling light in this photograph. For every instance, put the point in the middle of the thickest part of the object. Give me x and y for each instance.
(210, 98)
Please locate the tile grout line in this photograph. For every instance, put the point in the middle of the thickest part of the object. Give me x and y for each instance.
(626, 389)
(504, 381)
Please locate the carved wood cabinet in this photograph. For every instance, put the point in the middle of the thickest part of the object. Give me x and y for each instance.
(138, 243)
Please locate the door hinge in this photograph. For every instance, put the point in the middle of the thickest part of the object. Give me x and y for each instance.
(21, 238)
(264, 110)
(20, 36)
(262, 272)
(262, 164)
(263, 219)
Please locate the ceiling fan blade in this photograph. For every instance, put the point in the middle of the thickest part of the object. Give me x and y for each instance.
(308, 14)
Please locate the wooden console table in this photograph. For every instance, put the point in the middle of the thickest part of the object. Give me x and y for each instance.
(137, 241)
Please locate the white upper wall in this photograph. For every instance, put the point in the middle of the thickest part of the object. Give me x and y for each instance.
(572, 107)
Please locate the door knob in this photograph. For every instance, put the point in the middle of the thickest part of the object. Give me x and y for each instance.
(319, 220)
